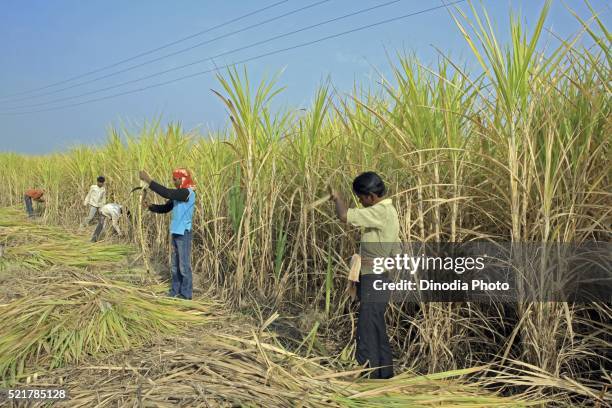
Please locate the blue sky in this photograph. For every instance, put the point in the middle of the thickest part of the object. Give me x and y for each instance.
(42, 42)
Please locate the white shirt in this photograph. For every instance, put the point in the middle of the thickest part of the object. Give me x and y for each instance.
(96, 196)
(111, 210)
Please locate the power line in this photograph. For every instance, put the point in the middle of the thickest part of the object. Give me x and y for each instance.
(181, 51)
(151, 51)
(242, 48)
(321, 39)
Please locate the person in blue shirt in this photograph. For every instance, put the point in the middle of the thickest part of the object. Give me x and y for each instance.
(181, 201)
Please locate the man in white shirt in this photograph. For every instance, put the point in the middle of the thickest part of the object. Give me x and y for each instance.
(95, 199)
(110, 211)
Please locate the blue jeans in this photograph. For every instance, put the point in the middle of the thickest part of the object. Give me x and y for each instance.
(181, 266)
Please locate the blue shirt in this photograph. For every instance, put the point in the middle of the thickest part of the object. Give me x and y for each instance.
(182, 214)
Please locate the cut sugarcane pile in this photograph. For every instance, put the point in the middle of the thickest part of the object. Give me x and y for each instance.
(61, 322)
(111, 343)
(37, 246)
(237, 367)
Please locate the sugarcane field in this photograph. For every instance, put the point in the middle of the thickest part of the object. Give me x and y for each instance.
(290, 204)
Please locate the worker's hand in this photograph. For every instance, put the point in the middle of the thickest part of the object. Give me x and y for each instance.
(333, 194)
(144, 176)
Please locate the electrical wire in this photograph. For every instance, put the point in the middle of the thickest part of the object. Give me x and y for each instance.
(151, 51)
(181, 51)
(278, 51)
(233, 51)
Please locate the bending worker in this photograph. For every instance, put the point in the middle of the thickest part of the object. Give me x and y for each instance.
(111, 211)
(181, 201)
(35, 195)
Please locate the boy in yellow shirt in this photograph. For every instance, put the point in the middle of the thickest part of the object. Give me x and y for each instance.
(379, 238)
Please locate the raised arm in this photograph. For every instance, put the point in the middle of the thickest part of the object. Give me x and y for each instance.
(341, 208)
(178, 194)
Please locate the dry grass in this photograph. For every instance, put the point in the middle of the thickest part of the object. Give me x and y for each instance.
(238, 367)
(34, 245)
(66, 318)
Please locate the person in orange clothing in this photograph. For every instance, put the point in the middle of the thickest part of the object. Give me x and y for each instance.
(32, 194)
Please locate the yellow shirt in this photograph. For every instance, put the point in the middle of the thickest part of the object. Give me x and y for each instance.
(380, 231)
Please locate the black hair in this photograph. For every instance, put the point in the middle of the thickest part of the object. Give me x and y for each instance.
(369, 183)
(101, 179)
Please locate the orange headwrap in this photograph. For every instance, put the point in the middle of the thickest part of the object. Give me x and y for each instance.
(184, 176)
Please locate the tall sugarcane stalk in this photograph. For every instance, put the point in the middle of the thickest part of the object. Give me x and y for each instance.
(143, 242)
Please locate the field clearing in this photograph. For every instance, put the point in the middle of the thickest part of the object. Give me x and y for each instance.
(520, 153)
(110, 342)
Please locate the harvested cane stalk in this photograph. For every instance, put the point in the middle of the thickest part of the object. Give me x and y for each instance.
(353, 277)
(143, 242)
(355, 268)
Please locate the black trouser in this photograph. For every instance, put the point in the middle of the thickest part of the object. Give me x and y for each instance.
(28, 205)
(98, 230)
(372, 341)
